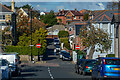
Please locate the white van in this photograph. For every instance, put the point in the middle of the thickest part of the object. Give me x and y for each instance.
(13, 60)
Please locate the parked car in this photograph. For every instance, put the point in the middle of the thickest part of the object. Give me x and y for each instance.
(58, 48)
(66, 56)
(106, 67)
(55, 38)
(6, 70)
(14, 62)
(61, 53)
(78, 65)
(86, 66)
(56, 41)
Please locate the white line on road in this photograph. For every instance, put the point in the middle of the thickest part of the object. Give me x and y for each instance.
(50, 73)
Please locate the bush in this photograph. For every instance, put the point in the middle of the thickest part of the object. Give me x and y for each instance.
(24, 50)
(110, 55)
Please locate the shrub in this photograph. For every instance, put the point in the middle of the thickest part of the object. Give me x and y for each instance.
(62, 34)
(24, 50)
(67, 45)
(110, 55)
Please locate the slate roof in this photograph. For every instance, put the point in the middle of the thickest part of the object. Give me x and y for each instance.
(56, 27)
(116, 17)
(4, 9)
(104, 15)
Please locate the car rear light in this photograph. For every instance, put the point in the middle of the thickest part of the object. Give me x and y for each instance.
(105, 76)
(104, 61)
(15, 60)
(86, 66)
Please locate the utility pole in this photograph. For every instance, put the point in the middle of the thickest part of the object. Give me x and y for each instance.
(31, 37)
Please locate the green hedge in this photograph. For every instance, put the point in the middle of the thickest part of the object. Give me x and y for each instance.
(24, 50)
(62, 34)
(110, 55)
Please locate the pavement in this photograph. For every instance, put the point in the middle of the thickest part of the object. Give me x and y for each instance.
(52, 68)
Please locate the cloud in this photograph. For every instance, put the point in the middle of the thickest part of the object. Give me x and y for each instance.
(101, 5)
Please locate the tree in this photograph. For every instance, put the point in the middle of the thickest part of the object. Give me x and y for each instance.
(86, 17)
(49, 19)
(60, 21)
(112, 5)
(92, 36)
(63, 34)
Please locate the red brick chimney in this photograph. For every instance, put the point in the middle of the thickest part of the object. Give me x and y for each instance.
(63, 11)
(59, 11)
(75, 9)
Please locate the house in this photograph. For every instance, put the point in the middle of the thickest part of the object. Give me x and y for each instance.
(22, 11)
(54, 30)
(74, 30)
(68, 16)
(5, 16)
(116, 22)
(102, 19)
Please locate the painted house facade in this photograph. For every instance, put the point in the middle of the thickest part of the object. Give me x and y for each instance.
(103, 20)
(68, 16)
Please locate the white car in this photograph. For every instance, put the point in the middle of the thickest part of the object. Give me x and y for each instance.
(6, 70)
(14, 62)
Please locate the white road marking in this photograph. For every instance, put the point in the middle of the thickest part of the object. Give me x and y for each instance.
(50, 73)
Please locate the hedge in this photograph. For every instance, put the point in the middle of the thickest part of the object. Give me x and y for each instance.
(24, 50)
(110, 55)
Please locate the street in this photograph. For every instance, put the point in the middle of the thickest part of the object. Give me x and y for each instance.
(51, 68)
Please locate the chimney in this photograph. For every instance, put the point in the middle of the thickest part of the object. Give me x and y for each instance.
(59, 11)
(13, 5)
(63, 11)
(75, 9)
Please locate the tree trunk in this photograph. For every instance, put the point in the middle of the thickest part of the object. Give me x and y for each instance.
(91, 52)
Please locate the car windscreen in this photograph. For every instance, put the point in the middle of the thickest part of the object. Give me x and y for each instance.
(91, 62)
(112, 61)
(56, 40)
(57, 46)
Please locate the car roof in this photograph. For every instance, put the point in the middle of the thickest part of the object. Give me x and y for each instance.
(108, 58)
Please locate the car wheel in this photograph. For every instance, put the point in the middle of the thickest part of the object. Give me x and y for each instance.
(84, 73)
(80, 72)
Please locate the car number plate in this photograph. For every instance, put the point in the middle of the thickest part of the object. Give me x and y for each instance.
(116, 68)
(90, 70)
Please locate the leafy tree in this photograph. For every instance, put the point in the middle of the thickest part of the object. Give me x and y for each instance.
(63, 34)
(49, 19)
(60, 21)
(92, 36)
(86, 16)
(112, 5)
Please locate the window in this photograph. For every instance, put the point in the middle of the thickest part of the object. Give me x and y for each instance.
(68, 17)
(74, 17)
(70, 29)
(2, 16)
(79, 17)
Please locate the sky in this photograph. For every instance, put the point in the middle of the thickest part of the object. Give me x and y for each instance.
(47, 6)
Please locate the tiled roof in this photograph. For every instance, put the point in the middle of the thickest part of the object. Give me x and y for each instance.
(104, 15)
(74, 12)
(54, 27)
(4, 9)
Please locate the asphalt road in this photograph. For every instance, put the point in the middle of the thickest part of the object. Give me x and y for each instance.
(53, 69)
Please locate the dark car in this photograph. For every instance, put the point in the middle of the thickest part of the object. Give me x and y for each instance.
(61, 53)
(106, 67)
(87, 66)
(58, 48)
(78, 65)
(66, 56)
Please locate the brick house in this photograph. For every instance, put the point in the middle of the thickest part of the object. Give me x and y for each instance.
(74, 30)
(68, 16)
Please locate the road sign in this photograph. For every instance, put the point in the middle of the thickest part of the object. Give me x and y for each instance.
(38, 45)
(31, 45)
(77, 47)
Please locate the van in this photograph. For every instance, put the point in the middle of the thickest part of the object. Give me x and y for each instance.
(13, 59)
